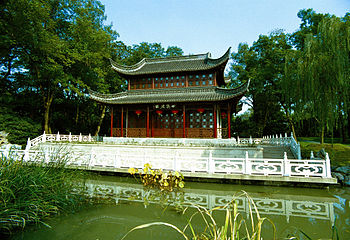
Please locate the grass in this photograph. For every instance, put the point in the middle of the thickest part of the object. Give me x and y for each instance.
(30, 192)
(338, 153)
(326, 140)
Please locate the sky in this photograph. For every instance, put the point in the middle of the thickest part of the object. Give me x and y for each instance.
(201, 26)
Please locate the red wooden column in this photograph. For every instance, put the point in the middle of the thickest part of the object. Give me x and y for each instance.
(147, 123)
(229, 120)
(152, 125)
(215, 123)
(184, 121)
(122, 123)
(112, 121)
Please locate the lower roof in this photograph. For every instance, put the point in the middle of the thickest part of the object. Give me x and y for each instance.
(171, 95)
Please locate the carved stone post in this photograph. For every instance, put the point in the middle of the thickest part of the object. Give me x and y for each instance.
(287, 167)
(58, 137)
(43, 139)
(211, 163)
(26, 151)
(248, 167)
(328, 167)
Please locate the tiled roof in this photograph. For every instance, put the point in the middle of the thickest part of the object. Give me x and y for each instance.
(172, 64)
(171, 95)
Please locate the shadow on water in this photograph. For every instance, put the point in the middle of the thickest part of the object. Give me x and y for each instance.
(125, 204)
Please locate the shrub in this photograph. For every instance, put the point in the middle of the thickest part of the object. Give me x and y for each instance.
(157, 178)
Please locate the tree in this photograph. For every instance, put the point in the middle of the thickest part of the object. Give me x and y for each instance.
(58, 47)
(263, 63)
(318, 74)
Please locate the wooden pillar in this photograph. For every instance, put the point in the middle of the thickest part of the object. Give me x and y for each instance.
(152, 83)
(128, 84)
(184, 121)
(152, 125)
(215, 83)
(186, 77)
(111, 121)
(147, 123)
(126, 121)
(122, 123)
(229, 120)
(215, 123)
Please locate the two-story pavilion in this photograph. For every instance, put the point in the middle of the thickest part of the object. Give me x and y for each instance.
(173, 97)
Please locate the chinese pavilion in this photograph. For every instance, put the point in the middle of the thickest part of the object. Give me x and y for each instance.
(173, 97)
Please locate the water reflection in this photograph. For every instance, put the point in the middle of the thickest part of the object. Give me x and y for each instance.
(291, 209)
(287, 205)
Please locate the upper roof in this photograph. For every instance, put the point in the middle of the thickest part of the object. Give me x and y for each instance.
(188, 63)
(171, 95)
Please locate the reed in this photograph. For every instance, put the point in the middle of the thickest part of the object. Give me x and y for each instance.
(31, 192)
(235, 226)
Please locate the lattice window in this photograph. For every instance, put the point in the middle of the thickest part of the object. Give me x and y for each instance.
(201, 120)
(171, 121)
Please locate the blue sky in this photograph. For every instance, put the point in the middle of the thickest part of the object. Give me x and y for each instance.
(200, 26)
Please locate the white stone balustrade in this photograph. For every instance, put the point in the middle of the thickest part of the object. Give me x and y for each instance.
(128, 157)
(59, 138)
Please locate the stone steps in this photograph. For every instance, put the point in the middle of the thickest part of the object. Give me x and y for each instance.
(277, 152)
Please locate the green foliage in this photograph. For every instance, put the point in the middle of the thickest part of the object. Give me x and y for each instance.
(318, 76)
(157, 178)
(18, 127)
(31, 192)
(302, 76)
(263, 63)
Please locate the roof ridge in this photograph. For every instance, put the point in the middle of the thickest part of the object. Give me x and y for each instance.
(189, 56)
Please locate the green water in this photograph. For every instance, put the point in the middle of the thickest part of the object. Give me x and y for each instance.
(127, 204)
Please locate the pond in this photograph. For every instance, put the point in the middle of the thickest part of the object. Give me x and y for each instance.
(126, 204)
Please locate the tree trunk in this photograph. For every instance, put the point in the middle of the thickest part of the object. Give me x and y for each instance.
(290, 121)
(77, 115)
(47, 107)
(322, 135)
(342, 128)
(348, 124)
(103, 113)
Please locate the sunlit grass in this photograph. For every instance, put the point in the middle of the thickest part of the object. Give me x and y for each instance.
(338, 153)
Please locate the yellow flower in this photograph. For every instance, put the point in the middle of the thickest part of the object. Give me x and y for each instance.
(132, 171)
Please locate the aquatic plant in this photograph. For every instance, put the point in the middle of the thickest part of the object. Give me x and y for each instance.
(32, 191)
(157, 178)
(235, 226)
